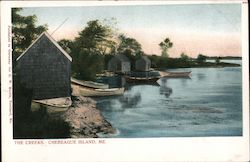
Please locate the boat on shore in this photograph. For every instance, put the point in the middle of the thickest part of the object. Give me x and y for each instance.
(89, 84)
(79, 90)
(175, 74)
(52, 105)
(131, 79)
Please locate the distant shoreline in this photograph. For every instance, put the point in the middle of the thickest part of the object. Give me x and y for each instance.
(158, 62)
(195, 64)
(216, 65)
(225, 58)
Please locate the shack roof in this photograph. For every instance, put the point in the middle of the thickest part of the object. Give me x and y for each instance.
(146, 59)
(122, 58)
(53, 41)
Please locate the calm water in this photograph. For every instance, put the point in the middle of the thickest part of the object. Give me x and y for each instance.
(208, 104)
(227, 61)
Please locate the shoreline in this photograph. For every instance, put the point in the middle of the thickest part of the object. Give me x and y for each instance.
(205, 65)
(85, 120)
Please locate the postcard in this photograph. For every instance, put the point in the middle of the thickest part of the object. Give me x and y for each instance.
(124, 81)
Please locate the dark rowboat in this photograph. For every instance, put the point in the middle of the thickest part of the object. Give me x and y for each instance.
(131, 79)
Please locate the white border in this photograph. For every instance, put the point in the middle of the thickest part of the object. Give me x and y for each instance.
(139, 149)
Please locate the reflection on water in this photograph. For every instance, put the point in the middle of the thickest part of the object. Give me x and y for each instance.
(164, 89)
(208, 104)
(201, 76)
(130, 101)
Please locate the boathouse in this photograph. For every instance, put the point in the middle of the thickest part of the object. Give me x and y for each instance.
(119, 63)
(45, 68)
(143, 64)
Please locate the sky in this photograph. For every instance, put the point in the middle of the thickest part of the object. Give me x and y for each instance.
(210, 29)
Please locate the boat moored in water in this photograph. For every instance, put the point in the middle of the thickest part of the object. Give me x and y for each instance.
(131, 79)
(79, 90)
(175, 74)
(89, 84)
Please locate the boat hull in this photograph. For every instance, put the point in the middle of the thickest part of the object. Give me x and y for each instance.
(89, 84)
(52, 105)
(91, 92)
(141, 79)
(175, 74)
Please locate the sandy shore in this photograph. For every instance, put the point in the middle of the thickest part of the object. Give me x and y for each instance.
(85, 120)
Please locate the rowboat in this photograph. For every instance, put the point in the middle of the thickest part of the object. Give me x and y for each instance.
(143, 83)
(175, 74)
(79, 90)
(89, 84)
(52, 105)
(131, 79)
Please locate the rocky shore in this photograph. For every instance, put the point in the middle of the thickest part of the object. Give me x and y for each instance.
(85, 120)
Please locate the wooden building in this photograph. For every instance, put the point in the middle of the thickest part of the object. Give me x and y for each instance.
(45, 68)
(143, 64)
(119, 63)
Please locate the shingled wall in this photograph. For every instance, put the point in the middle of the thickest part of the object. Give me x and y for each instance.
(119, 63)
(45, 70)
(143, 64)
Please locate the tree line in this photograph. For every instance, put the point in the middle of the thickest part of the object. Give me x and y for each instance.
(93, 47)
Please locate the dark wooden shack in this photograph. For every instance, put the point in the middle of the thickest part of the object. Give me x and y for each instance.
(45, 68)
(119, 63)
(143, 64)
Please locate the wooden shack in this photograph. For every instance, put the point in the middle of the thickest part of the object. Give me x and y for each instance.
(119, 63)
(143, 64)
(45, 68)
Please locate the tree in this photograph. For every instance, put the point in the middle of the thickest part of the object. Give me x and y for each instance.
(129, 46)
(66, 44)
(96, 38)
(88, 49)
(217, 60)
(86, 65)
(165, 45)
(184, 57)
(24, 31)
(201, 58)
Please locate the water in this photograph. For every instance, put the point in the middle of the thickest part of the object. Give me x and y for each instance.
(226, 61)
(208, 104)
(232, 61)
